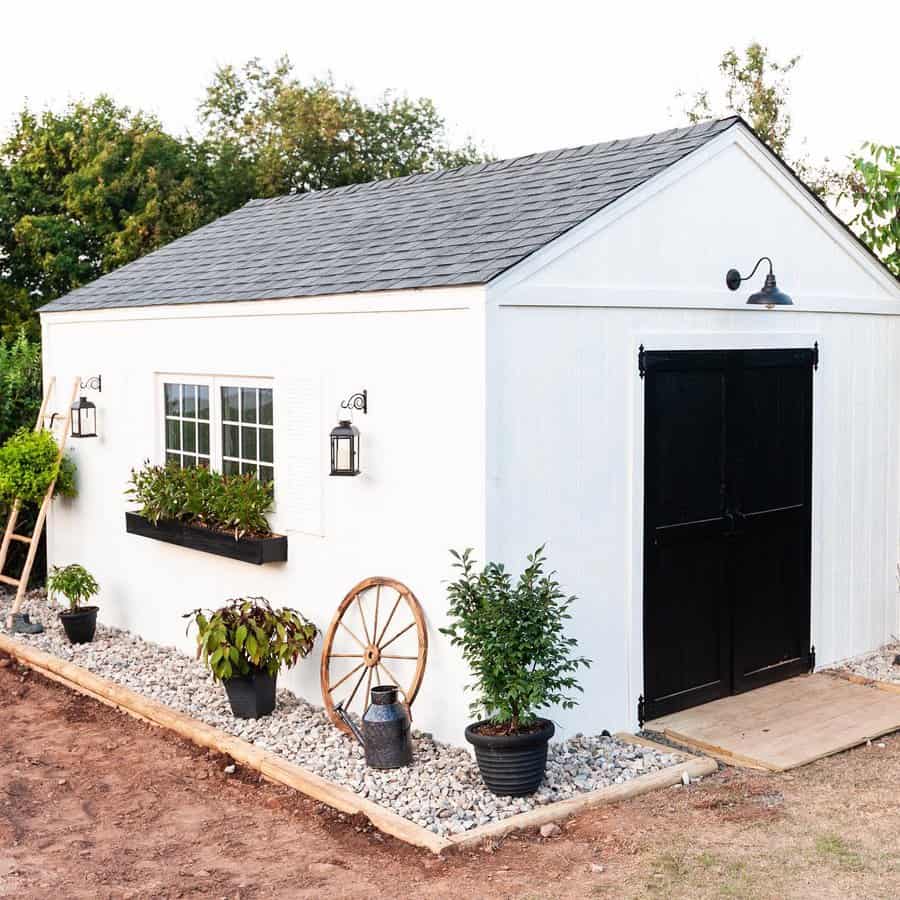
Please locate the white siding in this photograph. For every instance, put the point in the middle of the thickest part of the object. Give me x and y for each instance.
(421, 491)
(565, 400)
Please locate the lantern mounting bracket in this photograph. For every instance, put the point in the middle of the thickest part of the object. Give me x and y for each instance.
(733, 278)
(359, 400)
(94, 383)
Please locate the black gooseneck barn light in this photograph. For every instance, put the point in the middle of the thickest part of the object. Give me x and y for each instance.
(769, 295)
(345, 437)
(84, 413)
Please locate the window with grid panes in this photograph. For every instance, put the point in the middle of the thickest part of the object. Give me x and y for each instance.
(247, 431)
(187, 424)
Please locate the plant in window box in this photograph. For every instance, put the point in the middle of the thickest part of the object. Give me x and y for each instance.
(245, 644)
(77, 585)
(513, 638)
(205, 510)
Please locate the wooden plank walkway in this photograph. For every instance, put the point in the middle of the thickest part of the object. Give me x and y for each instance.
(785, 725)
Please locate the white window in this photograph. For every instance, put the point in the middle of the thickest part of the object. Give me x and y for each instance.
(247, 431)
(226, 423)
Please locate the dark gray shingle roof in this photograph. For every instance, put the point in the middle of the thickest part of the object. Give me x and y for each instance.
(452, 227)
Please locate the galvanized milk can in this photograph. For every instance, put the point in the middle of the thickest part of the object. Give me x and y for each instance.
(385, 729)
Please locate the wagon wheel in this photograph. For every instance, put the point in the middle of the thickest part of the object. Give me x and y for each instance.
(377, 637)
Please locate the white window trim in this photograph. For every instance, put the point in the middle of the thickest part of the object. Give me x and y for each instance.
(215, 383)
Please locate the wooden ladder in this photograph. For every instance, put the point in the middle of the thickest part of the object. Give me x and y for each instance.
(9, 534)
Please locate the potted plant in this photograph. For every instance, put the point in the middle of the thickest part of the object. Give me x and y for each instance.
(77, 585)
(513, 638)
(245, 644)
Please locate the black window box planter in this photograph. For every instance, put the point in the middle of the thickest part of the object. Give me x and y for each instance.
(246, 549)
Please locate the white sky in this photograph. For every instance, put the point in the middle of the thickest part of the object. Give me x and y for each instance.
(518, 77)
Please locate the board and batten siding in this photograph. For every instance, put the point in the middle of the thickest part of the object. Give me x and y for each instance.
(419, 355)
(565, 400)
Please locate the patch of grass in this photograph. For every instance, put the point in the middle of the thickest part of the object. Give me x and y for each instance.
(835, 850)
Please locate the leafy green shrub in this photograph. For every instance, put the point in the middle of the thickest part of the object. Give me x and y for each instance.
(74, 582)
(199, 496)
(20, 384)
(513, 638)
(248, 633)
(28, 465)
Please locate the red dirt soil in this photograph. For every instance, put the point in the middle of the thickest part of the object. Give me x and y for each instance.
(95, 804)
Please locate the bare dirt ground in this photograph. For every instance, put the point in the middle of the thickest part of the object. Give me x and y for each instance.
(94, 804)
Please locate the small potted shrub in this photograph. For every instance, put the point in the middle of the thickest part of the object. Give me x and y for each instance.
(513, 638)
(77, 585)
(245, 644)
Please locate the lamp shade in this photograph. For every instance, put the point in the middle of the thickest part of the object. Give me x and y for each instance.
(770, 295)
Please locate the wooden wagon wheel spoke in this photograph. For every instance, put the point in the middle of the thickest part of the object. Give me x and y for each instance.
(337, 684)
(389, 618)
(355, 638)
(392, 678)
(372, 656)
(349, 701)
(377, 601)
(363, 617)
(398, 634)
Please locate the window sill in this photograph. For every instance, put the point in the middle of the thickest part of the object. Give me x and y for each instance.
(251, 550)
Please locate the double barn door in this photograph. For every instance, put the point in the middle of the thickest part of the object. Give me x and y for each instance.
(727, 523)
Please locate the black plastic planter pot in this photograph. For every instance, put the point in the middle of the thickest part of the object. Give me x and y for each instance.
(257, 550)
(512, 765)
(80, 624)
(251, 696)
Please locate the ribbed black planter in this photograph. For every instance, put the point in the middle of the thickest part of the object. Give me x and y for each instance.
(251, 696)
(512, 765)
(257, 550)
(80, 624)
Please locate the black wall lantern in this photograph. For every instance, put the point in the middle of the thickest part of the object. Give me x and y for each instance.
(84, 413)
(769, 295)
(345, 437)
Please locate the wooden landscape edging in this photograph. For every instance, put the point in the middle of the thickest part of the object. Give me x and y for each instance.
(888, 686)
(268, 764)
(280, 770)
(553, 812)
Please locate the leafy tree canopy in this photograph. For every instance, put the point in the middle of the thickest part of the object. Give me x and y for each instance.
(97, 185)
(757, 87)
(873, 187)
(279, 135)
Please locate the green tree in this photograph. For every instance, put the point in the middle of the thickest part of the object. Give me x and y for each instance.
(82, 192)
(95, 186)
(873, 187)
(270, 134)
(20, 384)
(757, 89)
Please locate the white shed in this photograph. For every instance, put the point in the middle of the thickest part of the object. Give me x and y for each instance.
(720, 502)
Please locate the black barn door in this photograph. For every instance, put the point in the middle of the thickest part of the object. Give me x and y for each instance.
(727, 524)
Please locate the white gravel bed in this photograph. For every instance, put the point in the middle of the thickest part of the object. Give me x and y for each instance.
(878, 665)
(442, 791)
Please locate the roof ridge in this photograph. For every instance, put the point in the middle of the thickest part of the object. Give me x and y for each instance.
(675, 133)
(448, 227)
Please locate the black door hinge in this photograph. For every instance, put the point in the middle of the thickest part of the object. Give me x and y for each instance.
(816, 355)
(812, 658)
(641, 368)
(641, 710)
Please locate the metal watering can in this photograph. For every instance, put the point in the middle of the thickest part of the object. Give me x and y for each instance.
(386, 727)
